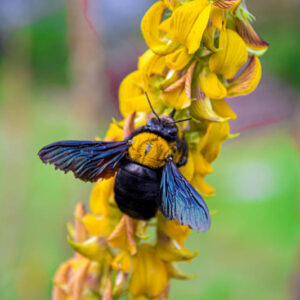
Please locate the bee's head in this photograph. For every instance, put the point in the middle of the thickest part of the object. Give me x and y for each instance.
(163, 127)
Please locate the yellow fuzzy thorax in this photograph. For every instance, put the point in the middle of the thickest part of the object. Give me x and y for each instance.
(150, 150)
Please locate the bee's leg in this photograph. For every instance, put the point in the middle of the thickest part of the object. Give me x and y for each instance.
(184, 149)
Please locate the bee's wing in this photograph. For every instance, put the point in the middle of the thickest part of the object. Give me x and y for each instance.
(180, 201)
(88, 160)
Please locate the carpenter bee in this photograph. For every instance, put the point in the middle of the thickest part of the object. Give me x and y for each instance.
(146, 167)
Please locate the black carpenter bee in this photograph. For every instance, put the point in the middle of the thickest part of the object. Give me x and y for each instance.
(146, 167)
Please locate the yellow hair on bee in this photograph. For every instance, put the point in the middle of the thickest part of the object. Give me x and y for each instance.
(150, 150)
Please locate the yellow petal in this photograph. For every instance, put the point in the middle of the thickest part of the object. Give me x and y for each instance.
(202, 109)
(212, 86)
(172, 229)
(132, 95)
(194, 38)
(123, 237)
(202, 166)
(157, 41)
(98, 225)
(92, 248)
(122, 262)
(218, 17)
(249, 35)
(188, 169)
(176, 98)
(210, 144)
(178, 59)
(170, 250)
(149, 275)
(187, 24)
(224, 4)
(114, 133)
(171, 77)
(233, 56)
(248, 80)
(202, 186)
(101, 196)
(223, 109)
(175, 272)
(150, 64)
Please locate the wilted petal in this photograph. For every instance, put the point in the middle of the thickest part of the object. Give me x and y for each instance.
(92, 248)
(79, 280)
(150, 275)
(157, 41)
(188, 80)
(187, 24)
(178, 59)
(248, 80)
(60, 280)
(224, 4)
(249, 35)
(80, 233)
(211, 85)
(129, 125)
(233, 56)
(202, 109)
(223, 109)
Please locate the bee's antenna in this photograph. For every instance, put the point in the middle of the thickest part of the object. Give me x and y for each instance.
(172, 114)
(156, 115)
(187, 119)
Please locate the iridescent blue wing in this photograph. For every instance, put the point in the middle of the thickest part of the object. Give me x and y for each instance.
(180, 201)
(88, 160)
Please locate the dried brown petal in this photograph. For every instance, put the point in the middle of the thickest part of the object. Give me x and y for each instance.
(249, 35)
(129, 125)
(188, 79)
(80, 233)
(224, 4)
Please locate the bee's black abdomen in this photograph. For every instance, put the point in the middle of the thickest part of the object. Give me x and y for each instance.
(136, 190)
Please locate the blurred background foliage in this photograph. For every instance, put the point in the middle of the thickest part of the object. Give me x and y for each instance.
(59, 77)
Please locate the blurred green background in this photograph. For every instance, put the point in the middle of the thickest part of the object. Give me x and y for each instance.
(59, 77)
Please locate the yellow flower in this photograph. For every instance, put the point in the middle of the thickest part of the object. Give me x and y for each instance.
(232, 57)
(187, 24)
(157, 40)
(248, 80)
(211, 85)
(150, 275)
